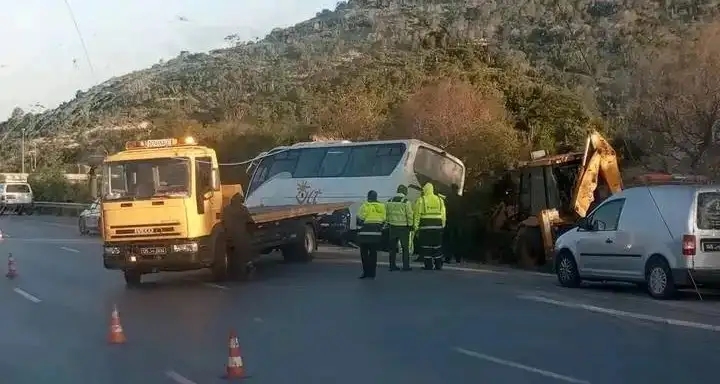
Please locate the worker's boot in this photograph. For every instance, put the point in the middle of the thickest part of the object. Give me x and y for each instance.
(428, 264)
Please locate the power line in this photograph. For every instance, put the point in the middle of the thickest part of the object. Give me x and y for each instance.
(82, 40)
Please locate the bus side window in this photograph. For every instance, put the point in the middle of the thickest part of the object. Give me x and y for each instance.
(309, 162)
(334, 163)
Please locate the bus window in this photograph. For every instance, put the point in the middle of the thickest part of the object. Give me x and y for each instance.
(272, 165)
(309, 162)
(374, 160)
(442, 171)
(335, 161)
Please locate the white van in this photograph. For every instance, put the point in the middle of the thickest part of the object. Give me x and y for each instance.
(16, 197)
(665, 237)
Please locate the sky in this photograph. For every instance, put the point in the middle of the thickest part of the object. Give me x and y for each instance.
(42, 60)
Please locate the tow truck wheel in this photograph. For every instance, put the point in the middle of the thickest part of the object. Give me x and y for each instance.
(133, 278)
(220, 258)
(83, 227)
(301, 251)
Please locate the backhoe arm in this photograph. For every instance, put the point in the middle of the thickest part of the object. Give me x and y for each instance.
(600, 160)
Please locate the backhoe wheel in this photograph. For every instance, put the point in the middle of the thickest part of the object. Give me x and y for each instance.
(529, 247)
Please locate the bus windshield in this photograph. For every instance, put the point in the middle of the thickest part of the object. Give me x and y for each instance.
(146, 179)
(368, 160)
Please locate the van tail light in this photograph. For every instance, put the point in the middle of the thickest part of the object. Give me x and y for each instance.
(688, 245)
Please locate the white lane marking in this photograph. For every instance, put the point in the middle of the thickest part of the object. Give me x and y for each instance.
(59, 225)
(632, 315)
(26, 295)
(212, 285)
(178, 378)
(70, 249)
(385, 263)
(64, 241)
(523, 367)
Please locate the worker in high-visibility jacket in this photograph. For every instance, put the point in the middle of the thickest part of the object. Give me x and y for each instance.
(429, 222)
(370, 220)
(400, 223)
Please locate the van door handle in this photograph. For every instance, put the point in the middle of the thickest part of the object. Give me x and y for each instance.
(608, 240)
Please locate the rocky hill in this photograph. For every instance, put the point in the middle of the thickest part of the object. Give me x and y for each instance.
(556, 64)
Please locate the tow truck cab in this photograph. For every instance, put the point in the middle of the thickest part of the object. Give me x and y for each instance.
(161, 201)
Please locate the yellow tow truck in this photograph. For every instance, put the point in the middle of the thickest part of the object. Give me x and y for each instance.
(163, 207)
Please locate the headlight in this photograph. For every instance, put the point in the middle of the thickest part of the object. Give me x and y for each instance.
(189, 247)
(112, 250)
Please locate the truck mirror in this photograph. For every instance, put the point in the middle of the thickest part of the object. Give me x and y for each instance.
(215, 179)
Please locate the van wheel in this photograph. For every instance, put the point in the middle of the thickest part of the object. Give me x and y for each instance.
(133, 278)
(567, 271)
(660, 283)
(301, 251)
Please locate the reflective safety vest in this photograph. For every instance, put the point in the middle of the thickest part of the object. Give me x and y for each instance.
(429, 212)
(399, 211)
(372, 215)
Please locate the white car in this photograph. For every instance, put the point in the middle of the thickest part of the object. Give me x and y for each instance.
(16, 197)
(89, 220)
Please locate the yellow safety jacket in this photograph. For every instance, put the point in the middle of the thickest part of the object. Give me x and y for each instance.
(399, 211)
(429, 206)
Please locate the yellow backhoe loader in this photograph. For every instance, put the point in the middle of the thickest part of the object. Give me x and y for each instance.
(552, 193)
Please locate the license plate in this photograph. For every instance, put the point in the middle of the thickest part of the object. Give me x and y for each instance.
(153, 251)
(324, 224)
(711, 247)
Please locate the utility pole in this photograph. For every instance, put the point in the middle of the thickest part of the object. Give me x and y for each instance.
(22, 150)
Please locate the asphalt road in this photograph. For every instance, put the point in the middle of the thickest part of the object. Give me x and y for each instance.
(317, 323)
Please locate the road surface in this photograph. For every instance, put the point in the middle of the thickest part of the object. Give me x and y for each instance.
(317, 323)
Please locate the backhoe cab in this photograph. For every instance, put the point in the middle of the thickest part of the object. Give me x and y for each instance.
(552, 193)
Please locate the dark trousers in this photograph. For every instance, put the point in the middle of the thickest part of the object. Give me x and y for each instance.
(368, 254)
(399, 235)
(429, 244)
(451, 243)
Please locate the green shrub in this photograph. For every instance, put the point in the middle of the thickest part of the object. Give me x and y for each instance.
(51, 185)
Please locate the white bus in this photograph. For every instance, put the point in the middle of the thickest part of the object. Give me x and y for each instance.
(320, 172)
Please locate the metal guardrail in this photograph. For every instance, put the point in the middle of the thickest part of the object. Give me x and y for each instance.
(59, 209)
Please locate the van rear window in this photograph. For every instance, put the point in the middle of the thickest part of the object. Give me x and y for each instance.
(17, 188)
(708, 210)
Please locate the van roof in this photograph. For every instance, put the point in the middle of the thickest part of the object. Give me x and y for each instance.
(672, 188)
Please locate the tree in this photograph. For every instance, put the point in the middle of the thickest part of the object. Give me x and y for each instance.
(675, 100)
(468, 122)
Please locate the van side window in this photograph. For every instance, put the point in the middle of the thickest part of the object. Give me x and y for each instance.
(606, 217)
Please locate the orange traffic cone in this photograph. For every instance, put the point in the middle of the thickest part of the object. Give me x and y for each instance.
(12, 269)
(116, 336)
(234, 369)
